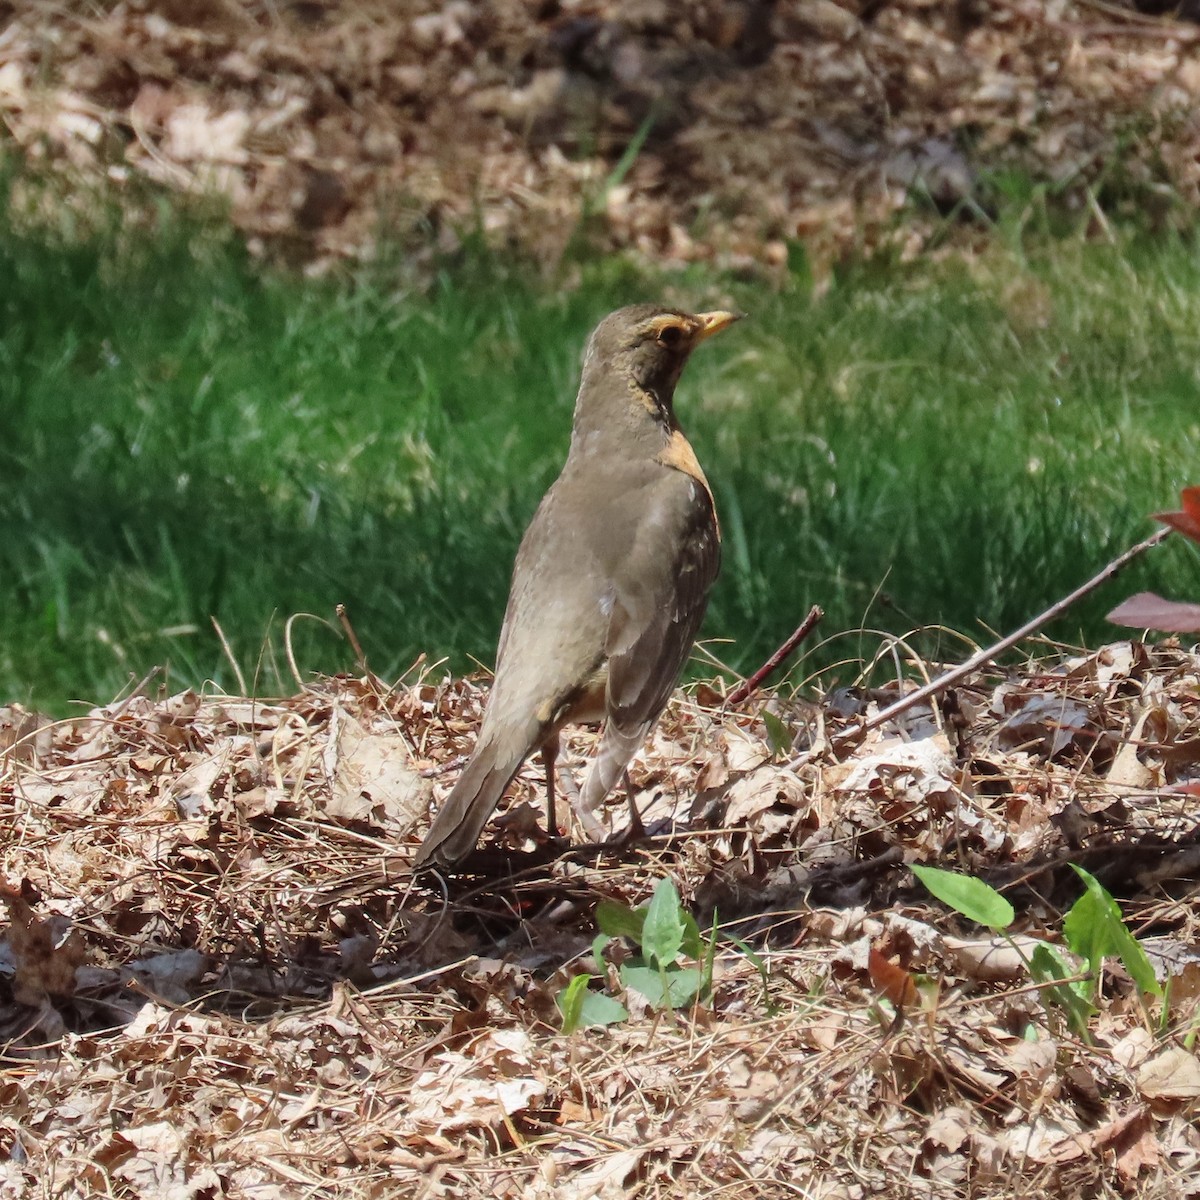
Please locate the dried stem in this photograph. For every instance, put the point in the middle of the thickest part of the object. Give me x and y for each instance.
(229, 657)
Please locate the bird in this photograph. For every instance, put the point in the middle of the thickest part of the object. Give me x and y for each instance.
(610, 582)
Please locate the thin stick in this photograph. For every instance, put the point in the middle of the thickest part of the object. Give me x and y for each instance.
(981, 657)
(138, 689)
(747, 686)
(344, 618)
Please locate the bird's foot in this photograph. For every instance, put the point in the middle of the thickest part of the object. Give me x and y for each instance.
(633, 833)
(594, 829)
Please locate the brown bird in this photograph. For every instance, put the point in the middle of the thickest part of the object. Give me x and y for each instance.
(610, 582)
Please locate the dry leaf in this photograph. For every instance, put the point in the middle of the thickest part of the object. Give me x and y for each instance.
(992, 960)
(45, 950)
(607, 1179)
(371, 779)
(1126, 1136)
(1145, 610)
(909, 770)
(892, 981)
(760, 790)
(1172, 1075)
(1128, 770)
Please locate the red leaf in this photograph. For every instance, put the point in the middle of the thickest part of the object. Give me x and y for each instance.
(1148, 611)
(891, 981)
(1186, 522)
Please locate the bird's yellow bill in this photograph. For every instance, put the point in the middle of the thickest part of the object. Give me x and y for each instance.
(714, 322)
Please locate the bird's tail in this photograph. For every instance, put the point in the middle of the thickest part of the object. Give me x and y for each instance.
(464, 813)
(617, 747)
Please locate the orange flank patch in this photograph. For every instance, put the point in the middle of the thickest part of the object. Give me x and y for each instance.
(678, 453)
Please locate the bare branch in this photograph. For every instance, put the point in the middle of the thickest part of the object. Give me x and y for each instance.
(988, 653)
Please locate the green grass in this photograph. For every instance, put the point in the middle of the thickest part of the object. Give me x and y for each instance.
(187, 435)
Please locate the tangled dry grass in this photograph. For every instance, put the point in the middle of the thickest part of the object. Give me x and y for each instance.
(218, 978)
(685, 130)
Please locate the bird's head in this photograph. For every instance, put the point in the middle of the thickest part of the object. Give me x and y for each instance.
(649, 345)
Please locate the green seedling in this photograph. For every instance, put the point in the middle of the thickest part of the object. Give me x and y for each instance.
(1093, 930)
(673, 966)
(581, 1007)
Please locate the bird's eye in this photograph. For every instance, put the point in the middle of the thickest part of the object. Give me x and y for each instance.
(670, 335)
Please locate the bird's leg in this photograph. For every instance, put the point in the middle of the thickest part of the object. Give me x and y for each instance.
(636, 830)
(586, 803)
(592, 828)
(549, 757)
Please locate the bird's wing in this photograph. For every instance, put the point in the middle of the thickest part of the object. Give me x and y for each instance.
(553, 639)
(660, 600)
(660, 593)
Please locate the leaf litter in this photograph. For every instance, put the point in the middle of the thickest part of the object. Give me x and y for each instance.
(684, 131)
(218, 979)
